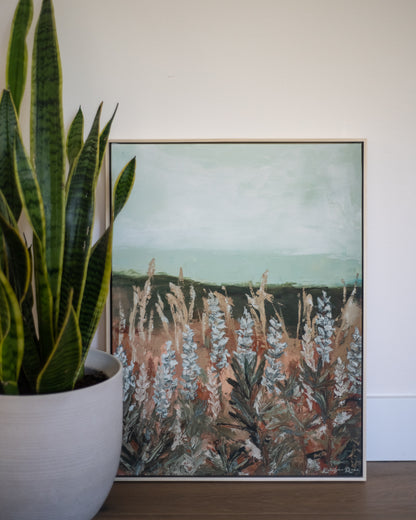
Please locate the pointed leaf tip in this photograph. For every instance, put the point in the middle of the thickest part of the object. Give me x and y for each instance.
(75, 139)
(123, 186)
(16, 69)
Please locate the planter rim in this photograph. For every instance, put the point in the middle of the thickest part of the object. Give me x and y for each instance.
(89, 364)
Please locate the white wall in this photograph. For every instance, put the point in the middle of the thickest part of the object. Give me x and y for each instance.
(276, 69)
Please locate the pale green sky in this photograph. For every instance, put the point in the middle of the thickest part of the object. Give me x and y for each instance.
(274, 200)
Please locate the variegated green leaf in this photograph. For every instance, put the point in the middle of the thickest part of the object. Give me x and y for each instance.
(75, 139)
(61, 368)
(4, 315)
(19, 266)
(96, 288)
(123, 186)
(6, 211)
(29, 190)
(16, 70)
(105, 134)
(79, 220)
(55, 341)
(3, 259)
(7, 215)
(8, 124)
(99, 266)
(44, 301)
(47, 137)
(31, 365)
(12, 341)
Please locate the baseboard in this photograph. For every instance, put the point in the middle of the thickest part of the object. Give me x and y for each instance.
(391, 427)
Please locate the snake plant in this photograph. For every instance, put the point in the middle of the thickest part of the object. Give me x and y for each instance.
(53, 279)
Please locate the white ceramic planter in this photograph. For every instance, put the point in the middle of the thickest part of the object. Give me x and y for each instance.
(59, 453)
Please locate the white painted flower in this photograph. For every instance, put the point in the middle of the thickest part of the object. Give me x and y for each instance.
(342, 418)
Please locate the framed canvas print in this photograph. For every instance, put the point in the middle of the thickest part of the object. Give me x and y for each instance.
(237, 310)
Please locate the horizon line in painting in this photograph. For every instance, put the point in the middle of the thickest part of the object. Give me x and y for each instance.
(237, 310)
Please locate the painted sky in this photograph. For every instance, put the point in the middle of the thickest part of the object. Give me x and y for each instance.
(273, 205)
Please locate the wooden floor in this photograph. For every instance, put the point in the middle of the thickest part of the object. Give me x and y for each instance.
(388, 494)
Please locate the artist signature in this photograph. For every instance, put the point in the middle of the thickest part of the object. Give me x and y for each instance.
(346, 471)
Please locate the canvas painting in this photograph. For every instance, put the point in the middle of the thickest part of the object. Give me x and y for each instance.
(237, 310)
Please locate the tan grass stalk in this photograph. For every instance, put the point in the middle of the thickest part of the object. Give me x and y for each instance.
(344, 292)
(121, 323)
(140, 301)
(256, 300)
(159, 309)
(151, 269)
(285, 334)
(179, 311)
(179, 302)
(299, 317)
(143, 299)
(150, 326)
(213, 386)
(307, 307)
(192, 295)
(132, 323)
(308, 347)
(350, 316)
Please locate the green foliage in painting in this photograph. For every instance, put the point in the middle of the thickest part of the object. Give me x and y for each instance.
(218, 386)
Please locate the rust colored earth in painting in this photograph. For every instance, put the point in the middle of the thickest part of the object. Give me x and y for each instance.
(239, 381)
